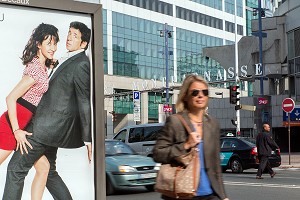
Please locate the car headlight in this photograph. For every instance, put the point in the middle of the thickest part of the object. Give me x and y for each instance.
(157, 166)
(126, 168)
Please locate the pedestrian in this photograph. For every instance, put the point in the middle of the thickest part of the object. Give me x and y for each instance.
(62, 118)
(174, 141)
(265, 144)
(24, 98)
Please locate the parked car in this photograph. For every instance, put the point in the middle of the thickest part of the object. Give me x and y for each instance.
(140, 138)
(238, 154)
(126, 168)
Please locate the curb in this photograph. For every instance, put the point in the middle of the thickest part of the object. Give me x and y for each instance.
(289, 166)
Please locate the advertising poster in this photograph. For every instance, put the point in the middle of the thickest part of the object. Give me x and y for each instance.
(17, 24)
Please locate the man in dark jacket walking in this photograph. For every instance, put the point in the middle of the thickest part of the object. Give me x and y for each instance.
(265, 144)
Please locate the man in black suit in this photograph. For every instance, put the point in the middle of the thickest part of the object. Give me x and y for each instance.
(265, 144)
(62, 118)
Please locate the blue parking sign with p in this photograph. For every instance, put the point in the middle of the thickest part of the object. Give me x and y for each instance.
(136, 95)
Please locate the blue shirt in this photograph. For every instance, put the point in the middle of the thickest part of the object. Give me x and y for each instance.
(204, 187)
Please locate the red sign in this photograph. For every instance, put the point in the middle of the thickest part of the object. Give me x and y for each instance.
(167, 108)
(262, 101)
(288, 105)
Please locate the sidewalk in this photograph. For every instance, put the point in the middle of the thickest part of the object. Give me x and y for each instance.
(294, 160)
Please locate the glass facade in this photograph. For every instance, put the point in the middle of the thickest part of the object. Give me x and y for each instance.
(229, 7)
(199, 18)
(294, 63)
(230, 27)
(249, 15)
(123, 103)
(189, 53)
(229, 42)
(154, 99)
(104, 14)
(217, 4)
(138, 48)
(153, 5)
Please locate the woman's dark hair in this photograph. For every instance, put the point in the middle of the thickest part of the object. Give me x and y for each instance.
(39, 34)
(84, 30)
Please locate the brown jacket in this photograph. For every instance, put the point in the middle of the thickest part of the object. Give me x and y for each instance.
(173, 135)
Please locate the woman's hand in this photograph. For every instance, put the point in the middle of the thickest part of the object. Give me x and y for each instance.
(226, 199)
(22, 141)
(193, 140)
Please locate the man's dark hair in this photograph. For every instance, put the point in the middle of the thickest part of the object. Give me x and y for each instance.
(84, 30)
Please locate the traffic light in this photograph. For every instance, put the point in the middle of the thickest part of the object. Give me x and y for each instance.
(234, 94)
(254, 12)
(262, 13)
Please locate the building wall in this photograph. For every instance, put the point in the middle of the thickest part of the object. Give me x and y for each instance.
(134, 50)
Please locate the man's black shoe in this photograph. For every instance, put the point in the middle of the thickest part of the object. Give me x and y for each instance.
(272, 175)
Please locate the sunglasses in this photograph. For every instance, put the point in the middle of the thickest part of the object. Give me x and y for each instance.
(196, 92)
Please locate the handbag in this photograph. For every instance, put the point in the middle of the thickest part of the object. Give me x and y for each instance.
(180, 180)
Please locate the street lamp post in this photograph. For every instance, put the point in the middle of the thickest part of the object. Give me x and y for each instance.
(260, 47)
(166, 34)
(261, 13)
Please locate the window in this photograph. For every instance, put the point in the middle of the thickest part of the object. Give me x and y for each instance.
(229, 143)
(151, 133)
(121, 136)
(135, 134)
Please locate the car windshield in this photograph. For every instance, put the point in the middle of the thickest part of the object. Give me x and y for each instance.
(113, 148)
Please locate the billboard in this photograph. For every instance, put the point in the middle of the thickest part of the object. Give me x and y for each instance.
(18, 19)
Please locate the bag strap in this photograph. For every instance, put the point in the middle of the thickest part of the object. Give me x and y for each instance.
(184, 123)
(195, 161)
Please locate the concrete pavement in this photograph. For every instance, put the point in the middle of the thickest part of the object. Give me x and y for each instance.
(291, 160)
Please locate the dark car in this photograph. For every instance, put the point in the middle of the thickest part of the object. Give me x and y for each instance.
(238, 154)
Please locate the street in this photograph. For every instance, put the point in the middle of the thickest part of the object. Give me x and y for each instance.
(285, 185)
(77, 173)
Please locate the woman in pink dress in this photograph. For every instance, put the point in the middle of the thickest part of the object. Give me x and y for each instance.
(24, 98)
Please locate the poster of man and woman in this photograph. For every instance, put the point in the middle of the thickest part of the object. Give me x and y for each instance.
(17, 25)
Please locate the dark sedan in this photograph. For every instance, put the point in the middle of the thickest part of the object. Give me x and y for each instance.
(238, 154)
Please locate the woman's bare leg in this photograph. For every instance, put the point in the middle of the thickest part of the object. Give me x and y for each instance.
(42, 167)
(4, 154)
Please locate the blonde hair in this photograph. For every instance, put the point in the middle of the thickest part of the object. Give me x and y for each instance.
(181, 103)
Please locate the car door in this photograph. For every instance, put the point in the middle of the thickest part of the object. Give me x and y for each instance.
(134, 139)
(226, 151)
(149, 139)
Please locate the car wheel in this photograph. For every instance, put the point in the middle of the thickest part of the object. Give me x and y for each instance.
(109, 187)
(150, 187)
(236, 165)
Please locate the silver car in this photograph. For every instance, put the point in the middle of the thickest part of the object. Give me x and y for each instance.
(126, 168)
